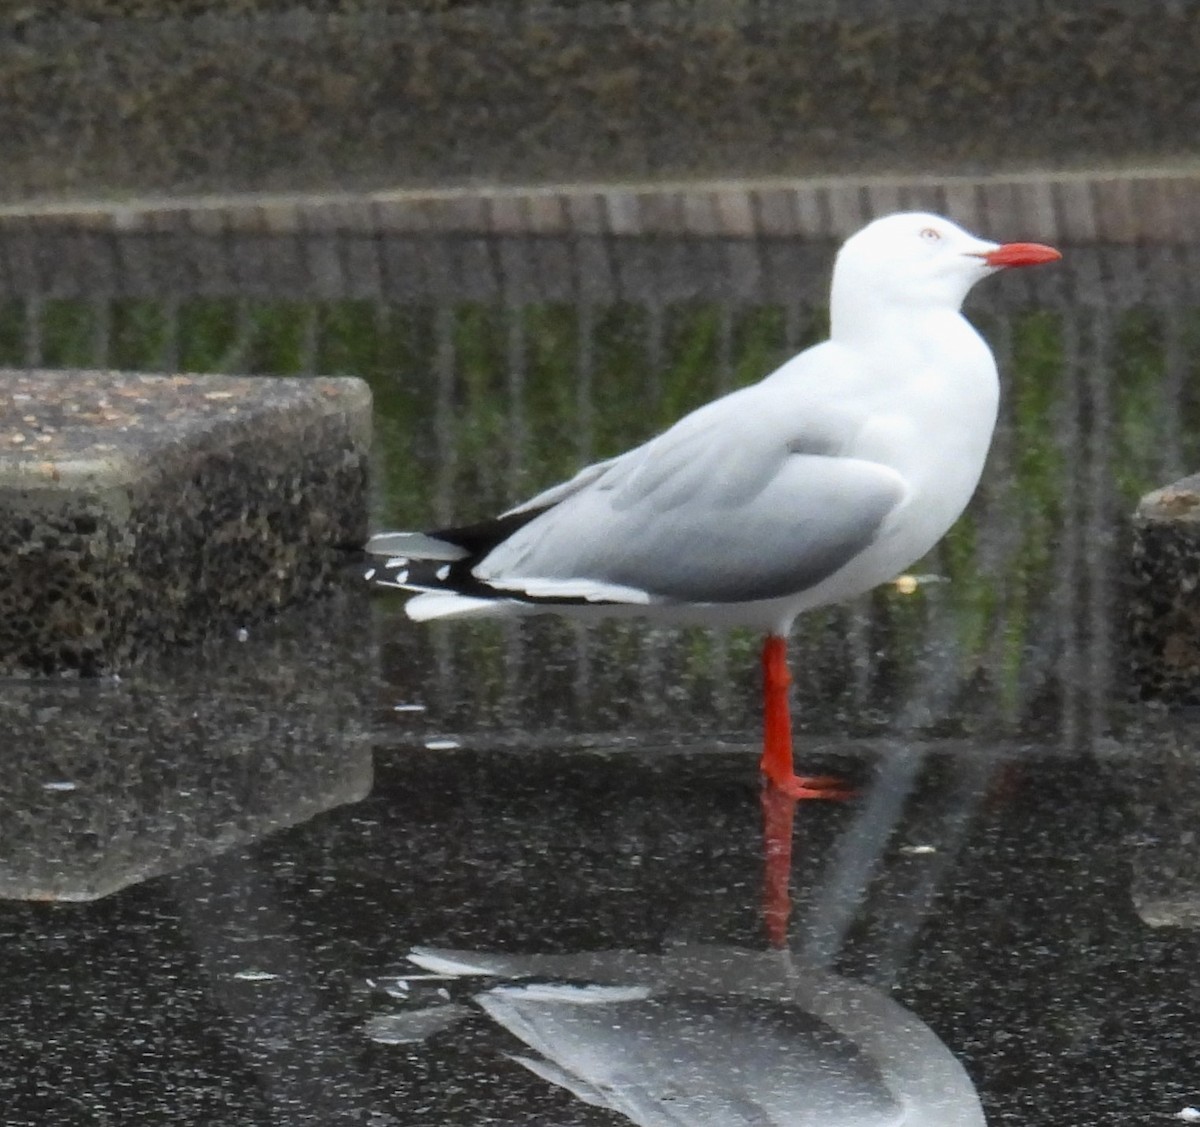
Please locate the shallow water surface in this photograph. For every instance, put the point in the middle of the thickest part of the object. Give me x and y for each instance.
(1026, 913)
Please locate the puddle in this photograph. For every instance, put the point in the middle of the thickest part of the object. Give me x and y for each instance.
(1013, 910)
(353, 870)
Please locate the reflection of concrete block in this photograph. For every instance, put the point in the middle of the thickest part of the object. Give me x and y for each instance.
(1159, 911)
(1165, 800)
(105, 784)
(140, 511)
(1164, 606)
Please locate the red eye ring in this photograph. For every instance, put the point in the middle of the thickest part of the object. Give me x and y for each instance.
(931, 233)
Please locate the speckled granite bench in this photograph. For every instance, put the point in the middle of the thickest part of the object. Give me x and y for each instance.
(138, 512)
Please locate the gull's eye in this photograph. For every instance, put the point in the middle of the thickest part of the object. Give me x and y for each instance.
(931, 234)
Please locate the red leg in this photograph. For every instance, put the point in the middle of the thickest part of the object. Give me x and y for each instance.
(776, 761)
(778, 814)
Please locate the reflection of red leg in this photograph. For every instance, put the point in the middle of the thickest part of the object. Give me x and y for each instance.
(776, 761)
(778, 811)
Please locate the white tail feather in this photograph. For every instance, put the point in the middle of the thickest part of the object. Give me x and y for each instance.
(414, 545)
(436, 604)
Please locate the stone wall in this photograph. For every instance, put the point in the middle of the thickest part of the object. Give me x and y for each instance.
(112, 99)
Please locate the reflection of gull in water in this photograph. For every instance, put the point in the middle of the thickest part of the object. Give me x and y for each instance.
(721, 1036)
(655, 1057)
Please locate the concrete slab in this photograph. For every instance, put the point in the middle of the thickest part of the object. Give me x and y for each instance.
(139, 512)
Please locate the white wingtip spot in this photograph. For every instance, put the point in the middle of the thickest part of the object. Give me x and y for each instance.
(369, 574)
(443, 572)
(402, 575)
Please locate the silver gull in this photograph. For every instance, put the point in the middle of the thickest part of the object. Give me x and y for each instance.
(829, 477)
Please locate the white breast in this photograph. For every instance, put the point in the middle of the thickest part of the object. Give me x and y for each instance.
(934, 425)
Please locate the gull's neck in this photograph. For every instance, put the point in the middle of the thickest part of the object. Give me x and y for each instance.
(874, 324)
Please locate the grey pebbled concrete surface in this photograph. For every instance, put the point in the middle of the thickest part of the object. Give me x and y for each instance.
(133, 97)
(138, 512)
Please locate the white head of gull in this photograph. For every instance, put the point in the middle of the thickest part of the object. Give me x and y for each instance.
(829, 477)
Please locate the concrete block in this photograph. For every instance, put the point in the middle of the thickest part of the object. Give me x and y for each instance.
(139, 512)
(1164, 604)
(1160, 786)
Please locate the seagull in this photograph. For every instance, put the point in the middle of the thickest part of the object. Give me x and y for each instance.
(828, 477)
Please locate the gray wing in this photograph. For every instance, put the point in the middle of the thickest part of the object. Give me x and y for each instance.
(558, 493)
(735, 503)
